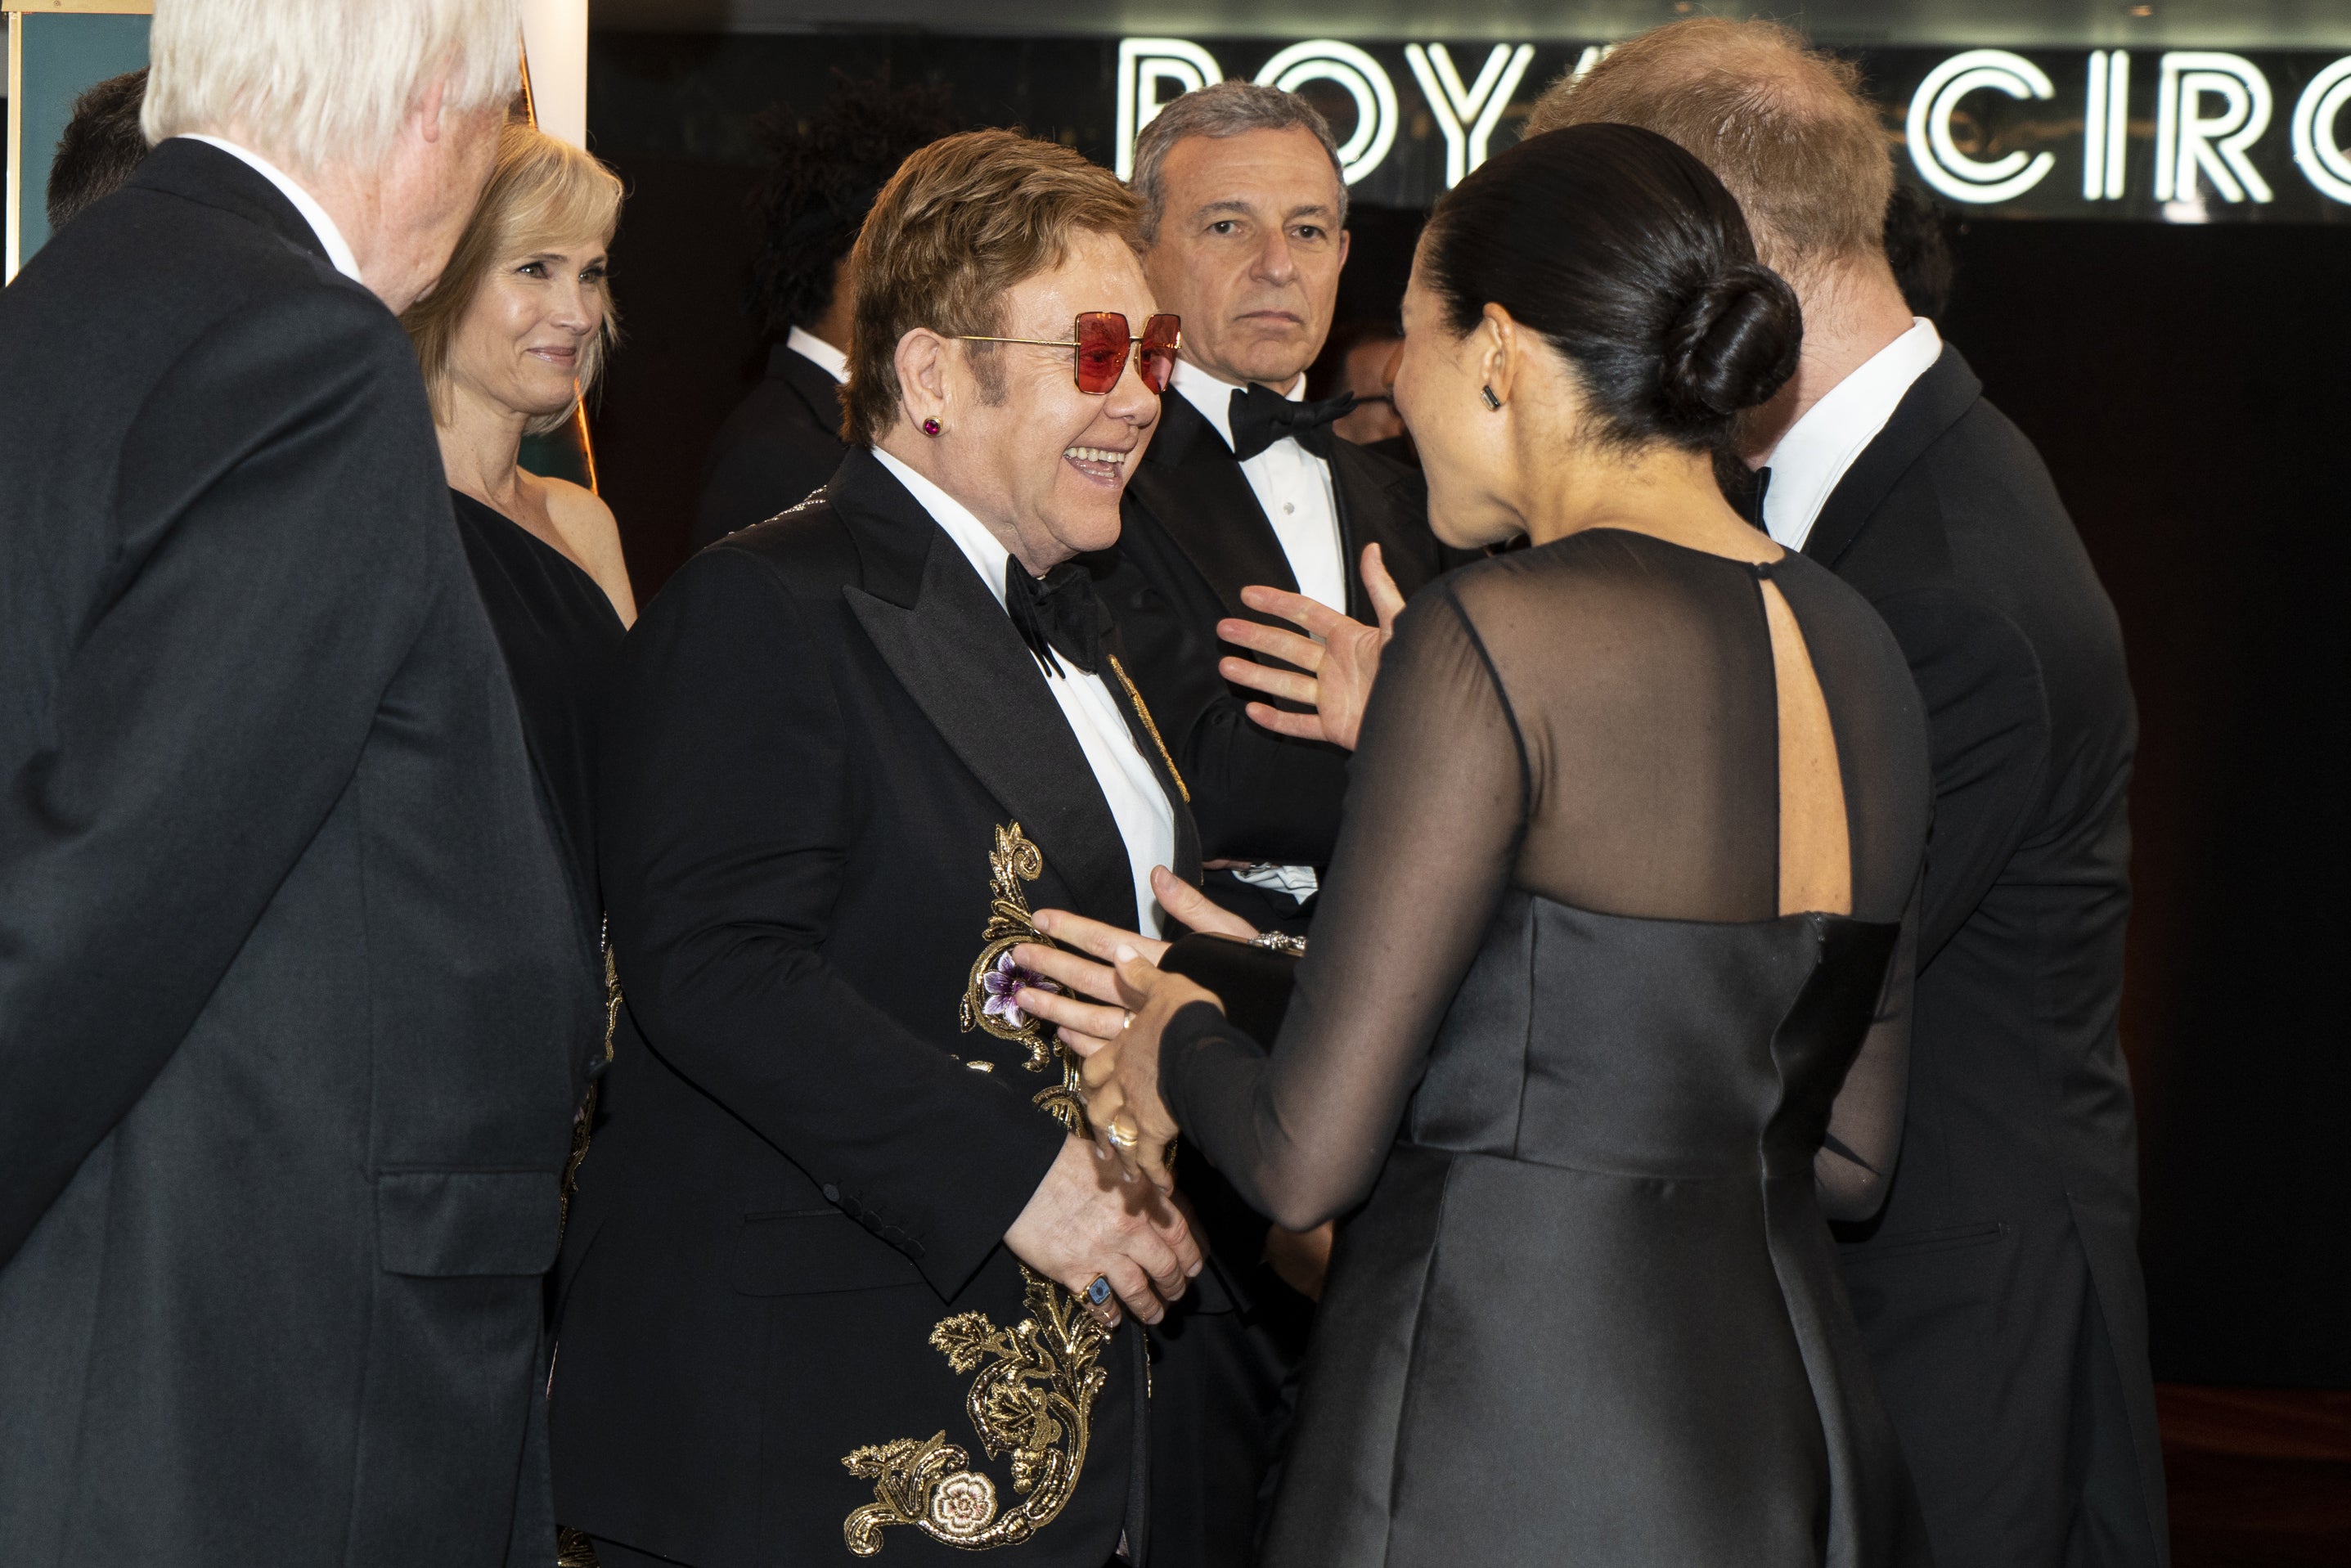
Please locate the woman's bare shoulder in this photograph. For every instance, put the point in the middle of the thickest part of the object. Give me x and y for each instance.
(593, 535)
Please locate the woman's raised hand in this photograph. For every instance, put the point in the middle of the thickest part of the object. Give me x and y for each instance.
(1341, 656)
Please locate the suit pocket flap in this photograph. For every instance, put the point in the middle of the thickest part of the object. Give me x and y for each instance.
(813, 1252)
(449, 1223)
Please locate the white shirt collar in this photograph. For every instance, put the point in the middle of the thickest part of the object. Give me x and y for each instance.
(986, 552)
(1815, 453)
(339, 249)
(1213, 395)
(827, 357)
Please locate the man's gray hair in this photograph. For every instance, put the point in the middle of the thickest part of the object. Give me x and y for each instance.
(322, 82)
(1223, 109)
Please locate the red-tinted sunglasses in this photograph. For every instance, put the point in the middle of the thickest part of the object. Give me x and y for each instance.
(1102, 340)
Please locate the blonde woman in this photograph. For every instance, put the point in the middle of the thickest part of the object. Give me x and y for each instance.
(511, 339)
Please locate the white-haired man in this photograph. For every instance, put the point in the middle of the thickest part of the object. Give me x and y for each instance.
(293, 1012)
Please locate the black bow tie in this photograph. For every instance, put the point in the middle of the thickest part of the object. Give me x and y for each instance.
(1060, 615)
(1261, 417)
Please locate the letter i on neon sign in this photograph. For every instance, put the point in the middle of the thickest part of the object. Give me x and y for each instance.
(1467, 115)
(2105, 125)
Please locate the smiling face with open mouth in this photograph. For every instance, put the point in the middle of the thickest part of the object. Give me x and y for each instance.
(1039, 461)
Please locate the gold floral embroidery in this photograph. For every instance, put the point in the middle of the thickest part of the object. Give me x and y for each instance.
(1035, 1403)
(1009, 923)
(1034, 1400)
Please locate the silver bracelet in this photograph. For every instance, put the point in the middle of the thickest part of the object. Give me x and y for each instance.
(1280, 942)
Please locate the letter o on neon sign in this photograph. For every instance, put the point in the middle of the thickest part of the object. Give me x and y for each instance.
(1365, 79)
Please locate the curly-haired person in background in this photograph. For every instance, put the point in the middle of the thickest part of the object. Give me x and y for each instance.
(783, 440)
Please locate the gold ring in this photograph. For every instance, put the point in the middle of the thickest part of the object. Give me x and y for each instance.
(1122, 1133)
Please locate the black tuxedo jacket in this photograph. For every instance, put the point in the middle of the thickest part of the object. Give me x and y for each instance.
(1999, 1288)
(816, 729)
(294, 1007)
(1194, 536)
(778, 447)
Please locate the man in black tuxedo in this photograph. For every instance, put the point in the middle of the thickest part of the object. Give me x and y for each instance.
(2000, 1289)
(294, 1009)
(1245, 209)
(783, 440)
(828, 1174)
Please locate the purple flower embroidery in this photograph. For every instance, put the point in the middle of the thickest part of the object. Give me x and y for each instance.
(1001, 982)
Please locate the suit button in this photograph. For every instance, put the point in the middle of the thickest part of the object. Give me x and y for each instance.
(832, 1193)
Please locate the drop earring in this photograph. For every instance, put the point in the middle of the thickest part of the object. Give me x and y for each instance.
(1492, 401)
(931, 426)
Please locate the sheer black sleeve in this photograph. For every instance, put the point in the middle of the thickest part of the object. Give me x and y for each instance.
(1436, 804)
(1596, 723)
(1864, 1134)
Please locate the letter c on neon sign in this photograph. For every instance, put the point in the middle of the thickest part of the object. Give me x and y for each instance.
(1939, 159)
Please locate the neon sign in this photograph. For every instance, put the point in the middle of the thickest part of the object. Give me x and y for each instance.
(1986, 128)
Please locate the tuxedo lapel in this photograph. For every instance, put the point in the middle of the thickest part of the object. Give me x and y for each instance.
(1934, 404)
(954, 649)
(1194, 488)
(1378, 507)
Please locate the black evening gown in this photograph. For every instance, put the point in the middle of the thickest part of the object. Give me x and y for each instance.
(559, 635)
(1600, 1093)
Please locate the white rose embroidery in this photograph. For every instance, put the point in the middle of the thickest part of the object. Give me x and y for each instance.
(964, 1504)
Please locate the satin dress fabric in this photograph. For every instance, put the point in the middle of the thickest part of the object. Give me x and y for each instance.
(1584, 1096)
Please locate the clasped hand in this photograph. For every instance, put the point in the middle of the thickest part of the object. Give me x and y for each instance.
(1340, 657)
(1118, 1031)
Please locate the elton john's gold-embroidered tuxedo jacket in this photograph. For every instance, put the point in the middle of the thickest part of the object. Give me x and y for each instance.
(817, 728)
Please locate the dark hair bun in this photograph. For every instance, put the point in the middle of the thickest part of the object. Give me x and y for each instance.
(1631, 260)
(1734, 343)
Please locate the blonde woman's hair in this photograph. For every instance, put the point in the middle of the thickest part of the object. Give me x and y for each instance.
(319, 83)
(543, 193)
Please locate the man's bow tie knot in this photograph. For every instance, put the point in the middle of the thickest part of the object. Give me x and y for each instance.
(1261, 417)
(1060, 615)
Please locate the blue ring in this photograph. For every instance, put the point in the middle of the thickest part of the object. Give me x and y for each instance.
(1098, 1291)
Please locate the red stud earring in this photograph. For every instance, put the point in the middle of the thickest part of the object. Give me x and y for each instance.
(930, 427)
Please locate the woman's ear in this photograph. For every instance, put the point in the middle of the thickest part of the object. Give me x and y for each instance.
(1500, 349)
(921, 362)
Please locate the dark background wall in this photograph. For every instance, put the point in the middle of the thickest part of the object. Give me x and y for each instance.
(2188, 386)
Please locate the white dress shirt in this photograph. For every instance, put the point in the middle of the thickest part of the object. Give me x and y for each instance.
(1290, 483)
(1818, 448)
(1147, 823)
(815, 350)
(339, 249)
(1294, 488)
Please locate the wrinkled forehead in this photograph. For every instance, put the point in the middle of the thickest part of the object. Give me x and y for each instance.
(1273, 173)
(1097, 273)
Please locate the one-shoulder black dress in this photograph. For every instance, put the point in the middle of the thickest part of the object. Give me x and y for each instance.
(1599, 1091)
(559, 635)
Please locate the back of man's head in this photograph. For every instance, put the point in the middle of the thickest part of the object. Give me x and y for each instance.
(1784, 126)
(101, 146)
(316, 84)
